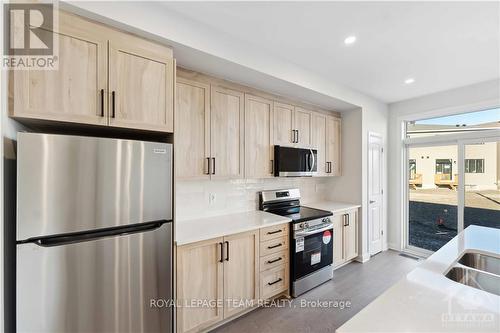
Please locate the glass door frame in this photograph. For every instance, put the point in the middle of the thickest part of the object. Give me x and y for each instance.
(445, 140)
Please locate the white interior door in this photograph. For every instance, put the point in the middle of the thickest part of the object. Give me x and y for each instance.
(375, 192)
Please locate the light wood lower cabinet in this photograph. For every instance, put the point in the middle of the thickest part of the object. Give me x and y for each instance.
(200, 277)
(241, 272)
(231, 272)
(345, 237)
(224, 271)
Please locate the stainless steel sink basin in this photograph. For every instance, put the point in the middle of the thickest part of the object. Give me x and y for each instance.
(475, 278)
(481, 262)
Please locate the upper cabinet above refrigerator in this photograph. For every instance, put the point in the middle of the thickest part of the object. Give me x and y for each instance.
(104, 77)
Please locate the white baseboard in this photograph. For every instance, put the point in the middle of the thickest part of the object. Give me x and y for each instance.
(363, 258)
(394, 246)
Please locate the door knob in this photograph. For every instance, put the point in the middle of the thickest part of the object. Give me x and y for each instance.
(372, 201)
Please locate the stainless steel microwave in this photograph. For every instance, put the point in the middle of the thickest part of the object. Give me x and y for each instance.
(294, 162)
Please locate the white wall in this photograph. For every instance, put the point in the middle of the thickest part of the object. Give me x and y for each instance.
(465, 99)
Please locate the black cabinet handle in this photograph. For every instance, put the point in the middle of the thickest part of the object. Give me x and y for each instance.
(208, 165)
(274, 246)
(274, 232)
(271, 283)
(221, 252)
(227, 250)
(273, 261)
(113, 104)
(102, 102)
(213, 167)
(272, 167)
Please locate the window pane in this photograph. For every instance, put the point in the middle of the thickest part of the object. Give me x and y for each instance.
(485, 120)
(482, 194)
(432, 205)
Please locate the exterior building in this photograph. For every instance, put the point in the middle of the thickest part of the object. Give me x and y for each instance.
(432, 167)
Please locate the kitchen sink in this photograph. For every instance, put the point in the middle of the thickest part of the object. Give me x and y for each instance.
(481, 262)
(475, 278)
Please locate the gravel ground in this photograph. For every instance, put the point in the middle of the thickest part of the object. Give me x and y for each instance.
(433, 215)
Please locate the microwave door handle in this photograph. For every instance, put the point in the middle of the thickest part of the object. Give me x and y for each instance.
(313, 160)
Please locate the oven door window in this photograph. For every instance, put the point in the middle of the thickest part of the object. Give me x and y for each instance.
(312, 253)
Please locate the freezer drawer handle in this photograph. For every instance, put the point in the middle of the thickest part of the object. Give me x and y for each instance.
(85, 236)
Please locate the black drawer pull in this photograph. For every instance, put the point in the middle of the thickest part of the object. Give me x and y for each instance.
(273, 232)
(271, 283)
(274, 246)
(273, 261)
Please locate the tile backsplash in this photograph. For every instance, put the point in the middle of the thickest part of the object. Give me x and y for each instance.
(203, 198)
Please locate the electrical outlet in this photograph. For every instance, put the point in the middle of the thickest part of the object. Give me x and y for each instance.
(212, 197)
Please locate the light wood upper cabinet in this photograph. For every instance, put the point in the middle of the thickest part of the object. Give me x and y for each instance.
(333, 153)
(241, 271)
(303, 124)
(73, 92)
(141, 84)
(192, 129)
(258, 137)
(319, 130)
(283, 124)
(227, 133)
(104, 77)
(199, 277)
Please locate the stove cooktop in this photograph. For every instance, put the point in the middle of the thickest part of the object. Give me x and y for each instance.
(302, 213)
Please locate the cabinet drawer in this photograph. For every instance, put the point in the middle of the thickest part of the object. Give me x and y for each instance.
(273, 260)
(273, 245)
(273, 232)
(273, 282)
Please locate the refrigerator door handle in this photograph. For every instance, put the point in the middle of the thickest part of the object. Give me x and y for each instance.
(85, 236)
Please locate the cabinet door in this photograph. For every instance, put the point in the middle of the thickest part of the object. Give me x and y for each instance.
(338, 240)
(241, 272)
(199, 277)
(333, 145)
(303, 124)
(192, 129)
(141, 84)
(319, 142)
(350, 236)
(227, 132)
(258, 137)
(73, 92)
(283, 124)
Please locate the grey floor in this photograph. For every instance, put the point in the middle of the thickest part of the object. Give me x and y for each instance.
(358, 283)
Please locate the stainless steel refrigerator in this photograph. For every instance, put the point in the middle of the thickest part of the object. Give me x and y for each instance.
(94, 234)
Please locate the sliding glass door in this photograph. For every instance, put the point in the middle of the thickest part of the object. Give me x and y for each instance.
(432, 196)
(481, 189)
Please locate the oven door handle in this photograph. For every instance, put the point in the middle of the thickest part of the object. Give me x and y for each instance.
(312, 232)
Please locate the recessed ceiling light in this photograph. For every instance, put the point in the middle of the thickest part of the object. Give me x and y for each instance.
(409, 80)
(350, 40)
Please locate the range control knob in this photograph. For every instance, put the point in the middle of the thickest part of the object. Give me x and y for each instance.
(306, 225)
(301, 225)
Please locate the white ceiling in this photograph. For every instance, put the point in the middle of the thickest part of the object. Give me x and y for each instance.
(443, 45)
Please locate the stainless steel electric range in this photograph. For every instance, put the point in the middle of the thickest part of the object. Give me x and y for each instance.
(311, 238)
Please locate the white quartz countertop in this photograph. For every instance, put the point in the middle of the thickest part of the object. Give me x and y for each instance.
(190, 231)
(332, 206)
(426, 301)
